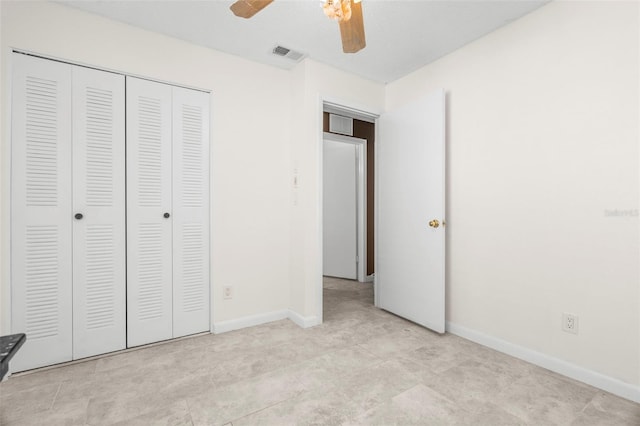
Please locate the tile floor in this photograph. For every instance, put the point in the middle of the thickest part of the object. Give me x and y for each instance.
(363, 366)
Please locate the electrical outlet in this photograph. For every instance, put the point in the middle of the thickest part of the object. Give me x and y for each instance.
(570, 323)
(227, 291)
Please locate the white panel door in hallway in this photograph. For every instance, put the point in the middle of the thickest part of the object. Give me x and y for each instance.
(339, 210)
(410, 262)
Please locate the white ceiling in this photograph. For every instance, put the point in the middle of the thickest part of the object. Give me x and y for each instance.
(402, 35)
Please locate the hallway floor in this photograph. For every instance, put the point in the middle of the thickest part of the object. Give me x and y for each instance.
(362, 366)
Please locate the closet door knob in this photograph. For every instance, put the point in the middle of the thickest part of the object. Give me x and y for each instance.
(166, 215)
(78, 216)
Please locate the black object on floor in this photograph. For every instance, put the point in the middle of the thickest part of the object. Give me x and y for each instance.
(9, 345)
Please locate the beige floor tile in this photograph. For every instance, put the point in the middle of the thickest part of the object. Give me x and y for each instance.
(438, 356)
(330, 369)
(392, 345)
(176, 414)
(419, 405)
(377, 384)
(474, 380)
(484, 413)
(34, 400)
(607, 409)
(319, 407)
(243, 398)
(126, 405)
(37, 378)
(240, 365)
(336, 338)
(130, 362)
(70, 414)
(545, 398)
(144, 380)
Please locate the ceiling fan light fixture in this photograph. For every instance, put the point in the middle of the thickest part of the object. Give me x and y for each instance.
(348, 14)
(338, 10)
(247, 8)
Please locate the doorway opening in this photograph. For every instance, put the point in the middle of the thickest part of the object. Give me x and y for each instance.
(348, 214)
(344, 218)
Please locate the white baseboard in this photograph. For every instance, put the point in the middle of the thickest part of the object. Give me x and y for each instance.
(249, 321)
(253, 320)
(609, 384)
(370, 278)
(304, 322)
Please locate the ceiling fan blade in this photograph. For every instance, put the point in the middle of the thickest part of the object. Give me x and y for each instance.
(248, 8)
(352, 31)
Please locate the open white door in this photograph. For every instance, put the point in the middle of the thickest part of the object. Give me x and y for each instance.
(410, 264)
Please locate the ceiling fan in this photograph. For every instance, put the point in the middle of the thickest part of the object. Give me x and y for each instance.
(348, 13)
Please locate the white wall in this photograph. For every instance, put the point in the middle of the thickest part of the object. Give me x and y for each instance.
(250, 142)
(312, 83)
(542, 143)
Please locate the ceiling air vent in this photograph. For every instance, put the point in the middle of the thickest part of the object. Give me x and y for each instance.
(287, 53)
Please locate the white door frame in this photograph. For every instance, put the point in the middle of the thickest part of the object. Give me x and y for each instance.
(361, 197)
(361, 112)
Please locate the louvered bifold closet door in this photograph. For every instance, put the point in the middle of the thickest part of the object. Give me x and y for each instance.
(149, 257)
(190, 212)
(99, 317)
(41, 216)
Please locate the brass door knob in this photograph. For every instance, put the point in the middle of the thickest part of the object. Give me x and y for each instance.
(434, 223)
